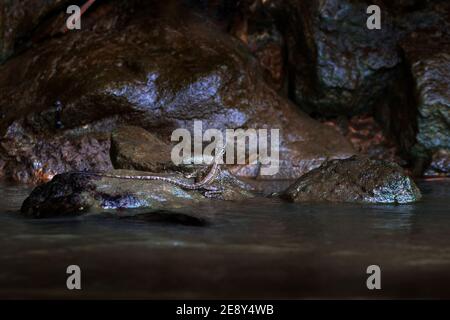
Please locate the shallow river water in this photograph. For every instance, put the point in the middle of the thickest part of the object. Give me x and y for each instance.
(257, 249)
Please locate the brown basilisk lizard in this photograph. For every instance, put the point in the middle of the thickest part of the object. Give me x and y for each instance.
(204, 184)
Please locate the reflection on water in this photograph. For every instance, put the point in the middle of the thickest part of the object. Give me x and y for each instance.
(260, 248)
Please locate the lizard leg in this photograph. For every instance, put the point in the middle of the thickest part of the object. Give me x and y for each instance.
(191, 175)
(212, 194)
(211, 191)
(198, 174)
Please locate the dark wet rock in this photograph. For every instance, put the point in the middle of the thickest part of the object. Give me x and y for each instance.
(397, 116)
(332, 65)
(257, 29)
(337, 67)
(440, 164)
(135, 148)
(223, 13)
(357, 179)
(18, 19)
(341, 67)
(433, 88)
(33, 158)
(74, 193)
(426, 50)
(406, 90)
(268, 49)
(64, 194)
(421, 16)
(233, 187)
(159, 74)
(367, 137)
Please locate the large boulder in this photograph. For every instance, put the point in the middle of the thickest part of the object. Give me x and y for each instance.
(31, 158)
(433, 87)
(339, 65)
(356, 179)
(159, 74)
(77, 193)
(135, 148)
(427, 51)
(19, 18)
(337, 68)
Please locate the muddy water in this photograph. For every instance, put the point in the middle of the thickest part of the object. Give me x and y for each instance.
(257, 249)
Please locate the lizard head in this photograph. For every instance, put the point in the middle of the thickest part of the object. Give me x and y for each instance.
(219, 152)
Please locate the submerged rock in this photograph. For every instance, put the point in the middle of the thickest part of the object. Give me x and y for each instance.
(160, 72)
(357, 179)
(75, 193)
(168, 217)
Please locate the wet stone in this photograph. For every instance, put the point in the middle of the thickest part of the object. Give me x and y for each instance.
(135, 148)
(156, 73)
(357, 179)
(76, 193)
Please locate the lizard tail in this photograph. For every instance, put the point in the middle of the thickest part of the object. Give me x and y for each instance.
(142, 178)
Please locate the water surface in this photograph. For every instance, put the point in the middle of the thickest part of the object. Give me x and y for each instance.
(257, 249)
